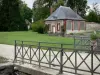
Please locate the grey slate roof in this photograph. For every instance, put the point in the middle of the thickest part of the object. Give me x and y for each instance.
(64, 13)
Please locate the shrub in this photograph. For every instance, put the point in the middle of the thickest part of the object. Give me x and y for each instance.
(93, 37)
(62, 31)
(71, 34)
(46, 28)
(38, 26)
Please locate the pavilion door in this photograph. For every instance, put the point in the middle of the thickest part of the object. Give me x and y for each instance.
(54, 29)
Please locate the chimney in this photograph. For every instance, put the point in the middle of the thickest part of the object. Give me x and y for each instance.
(51, 9)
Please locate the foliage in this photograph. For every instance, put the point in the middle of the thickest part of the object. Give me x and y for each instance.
(94, 14)
(71, 34)
(38, 26)
(59, 3)
(81, 33)
(92, 17)
(10, 18)
(78, 5)
(46, 28)
(41, 8)
(93, 36)
(63, 30)
(96, 8)
(25, 11)
(13, 14)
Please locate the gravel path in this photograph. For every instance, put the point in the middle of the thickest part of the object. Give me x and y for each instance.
(7, 51)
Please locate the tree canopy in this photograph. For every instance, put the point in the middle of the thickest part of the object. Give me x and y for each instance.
(78, 5)
(41, 8)
(25, 11)
(94, 14)
(92, 17)
(13, 14)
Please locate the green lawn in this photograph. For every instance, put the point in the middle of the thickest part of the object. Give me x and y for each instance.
(9, 37)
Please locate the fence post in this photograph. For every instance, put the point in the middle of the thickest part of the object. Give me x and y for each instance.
(30, 55)
(50, 57)
(92, 60)
(61, 60)
(39, 55)
(22, 54)
(74, 42)
(15, 56)
(75, 61)
(81, 42)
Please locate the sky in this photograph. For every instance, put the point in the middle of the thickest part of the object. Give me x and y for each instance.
(30, 2)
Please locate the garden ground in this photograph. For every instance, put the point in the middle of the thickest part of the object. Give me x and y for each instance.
(10, 37)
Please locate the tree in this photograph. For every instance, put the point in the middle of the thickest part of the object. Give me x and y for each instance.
(15, 20)
(96, 8)
(4, 16)
(13, 14)
(59, 3)
(25, 11)
(92, 17)
(40, 10)
(94, 14)
(78, 5)
(38, 26)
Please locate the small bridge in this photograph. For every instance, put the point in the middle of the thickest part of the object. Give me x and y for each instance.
(59, 57)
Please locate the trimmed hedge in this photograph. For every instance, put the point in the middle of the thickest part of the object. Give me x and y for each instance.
(93, 36)
(39, 26)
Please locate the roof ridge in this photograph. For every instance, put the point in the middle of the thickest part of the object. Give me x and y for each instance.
(64, 6)
(64, 12)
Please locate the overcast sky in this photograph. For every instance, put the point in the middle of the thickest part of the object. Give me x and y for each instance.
(30, 2)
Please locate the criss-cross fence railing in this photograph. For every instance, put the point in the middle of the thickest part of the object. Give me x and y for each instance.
(79, 41)
(58, 57)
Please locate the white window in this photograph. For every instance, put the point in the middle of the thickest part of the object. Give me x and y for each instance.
(75, 25)
(69, 25)
(82, 25)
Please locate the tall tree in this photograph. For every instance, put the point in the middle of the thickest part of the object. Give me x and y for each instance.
(25, 11)
(92, 17)
(78, 5)
(57, 4)
(96, 8)
(94, 14)
(15, 20)
(4, 15)
(40, 10)
(11, 18)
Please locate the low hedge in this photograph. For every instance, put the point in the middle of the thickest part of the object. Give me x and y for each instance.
(38, 26)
